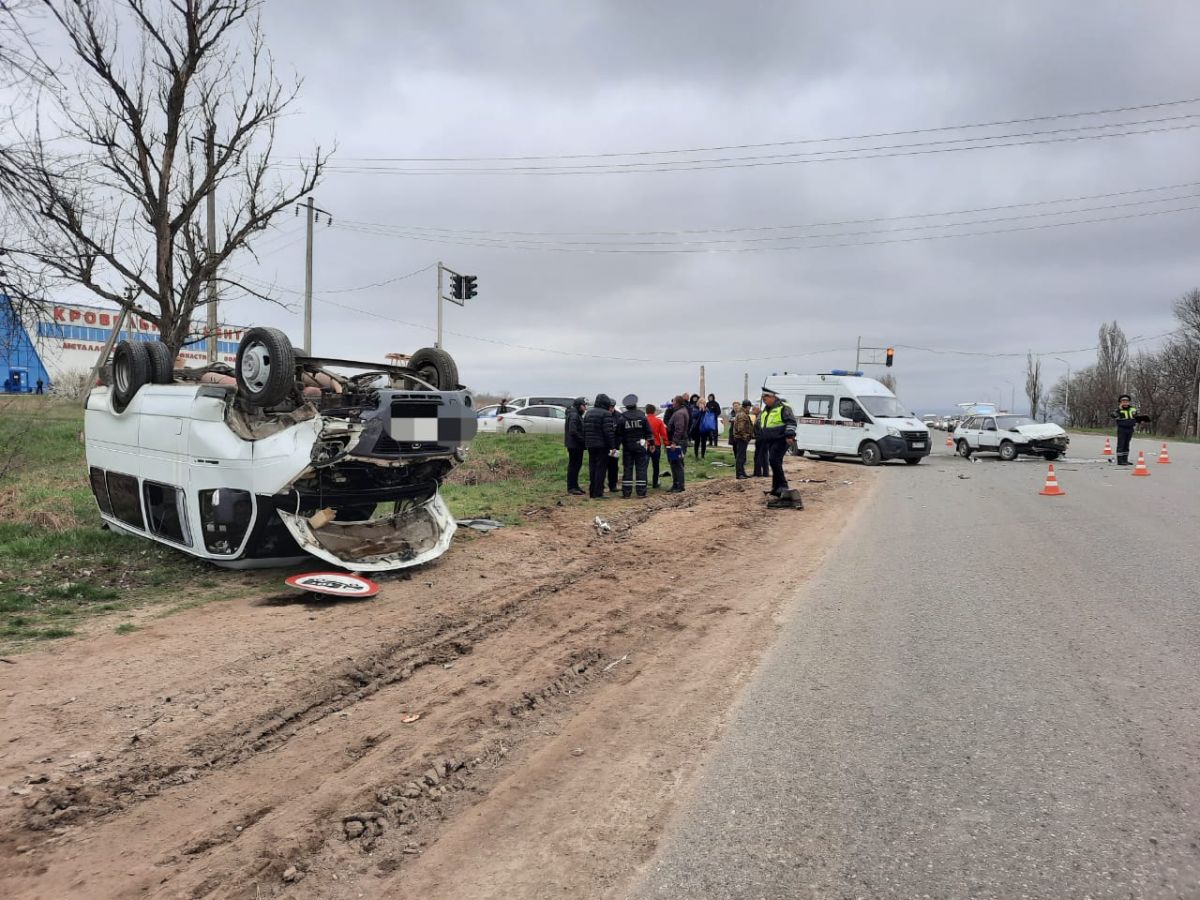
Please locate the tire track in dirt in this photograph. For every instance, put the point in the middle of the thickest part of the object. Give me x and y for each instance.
(329, 776)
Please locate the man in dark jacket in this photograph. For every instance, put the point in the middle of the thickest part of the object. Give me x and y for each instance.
(777, 429)
(741, 436)
(614, 457)
(633, 434)
(600, 440)
(573, 438)
(677, 440)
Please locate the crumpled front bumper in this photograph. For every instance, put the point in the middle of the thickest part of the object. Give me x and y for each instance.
(417, 534)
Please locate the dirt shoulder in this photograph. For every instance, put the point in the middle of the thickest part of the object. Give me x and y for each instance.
(566, 683)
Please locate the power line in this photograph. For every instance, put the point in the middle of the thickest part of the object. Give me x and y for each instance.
(538, 243)
(790, 143)
(760, 228)
(349, 290)
(702, 165)
(681, 250)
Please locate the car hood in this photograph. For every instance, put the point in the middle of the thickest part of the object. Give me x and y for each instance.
(901, 422)
(1041, 431)
(417, 534)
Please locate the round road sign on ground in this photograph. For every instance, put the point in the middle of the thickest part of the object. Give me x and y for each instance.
(335, 584)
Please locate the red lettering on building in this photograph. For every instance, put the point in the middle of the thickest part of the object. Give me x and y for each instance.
(89, 318)
(74, 315)
(58, 314)
(105, 319)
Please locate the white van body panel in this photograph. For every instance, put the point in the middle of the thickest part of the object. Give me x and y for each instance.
(826, 407)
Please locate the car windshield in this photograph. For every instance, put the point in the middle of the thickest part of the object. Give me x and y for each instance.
(1013, 421)
(887, 407)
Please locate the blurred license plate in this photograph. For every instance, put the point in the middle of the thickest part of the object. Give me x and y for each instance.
(918, 445)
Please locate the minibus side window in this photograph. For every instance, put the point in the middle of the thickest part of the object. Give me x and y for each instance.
(818, 407)
(225, 517)
(100, 489)
(126, 504)
(849, 409)
(166, 512)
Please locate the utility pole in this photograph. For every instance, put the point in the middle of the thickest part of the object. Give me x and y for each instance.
(210, 155)
(313, 213)
(857, 352)
(745, 385)
(702, 394)
(438, 342)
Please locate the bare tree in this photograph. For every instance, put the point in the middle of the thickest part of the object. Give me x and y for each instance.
(1112, 360)
(888, 380)
(112, 200)
(1034, 388)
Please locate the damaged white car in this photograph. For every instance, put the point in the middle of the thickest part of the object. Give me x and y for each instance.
(1009, 436)
(281, 456)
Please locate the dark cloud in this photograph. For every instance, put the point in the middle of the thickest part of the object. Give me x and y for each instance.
(462, 79)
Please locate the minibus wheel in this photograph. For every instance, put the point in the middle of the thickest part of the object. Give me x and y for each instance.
(266, 366)
(131, 370)
(162, 366)
(437, 367)
(869, 453)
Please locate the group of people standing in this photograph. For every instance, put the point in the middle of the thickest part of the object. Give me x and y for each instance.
(629, 442)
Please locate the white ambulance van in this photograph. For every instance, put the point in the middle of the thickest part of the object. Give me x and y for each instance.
(842, 413)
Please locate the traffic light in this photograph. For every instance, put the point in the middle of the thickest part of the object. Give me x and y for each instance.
(456, 286)
(891, 355)
(468, 287)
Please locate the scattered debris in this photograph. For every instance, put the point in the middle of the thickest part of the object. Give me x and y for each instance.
(483, 525)
(601, 526)
(964, 477)
(578, 751)
(614, 662)
(817, 481)
(290, 874)
(408, 720)
(721, 465)
(789, 498)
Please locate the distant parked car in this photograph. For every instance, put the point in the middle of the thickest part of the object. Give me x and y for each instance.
(1010, 436)
(532, 420)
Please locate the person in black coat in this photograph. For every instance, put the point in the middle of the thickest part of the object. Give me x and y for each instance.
(573, 438)
(614, 458)
(633, 434)
(599, 437)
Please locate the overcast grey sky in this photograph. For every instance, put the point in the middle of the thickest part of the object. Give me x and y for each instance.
(387, 79)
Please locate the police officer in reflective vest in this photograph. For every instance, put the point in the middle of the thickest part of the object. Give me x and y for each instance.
(777, 429)
(1127, 418)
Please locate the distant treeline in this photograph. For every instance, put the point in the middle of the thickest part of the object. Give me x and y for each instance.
(1164, 383)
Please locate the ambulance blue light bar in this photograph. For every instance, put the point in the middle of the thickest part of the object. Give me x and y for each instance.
(845, 372)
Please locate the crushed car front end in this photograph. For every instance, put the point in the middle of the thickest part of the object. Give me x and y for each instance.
(369, 499)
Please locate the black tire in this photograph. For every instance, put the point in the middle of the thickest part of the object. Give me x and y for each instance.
(963, 448)
(1008, 451)
(869, 453)
(162, 365)
(826, 457)
(131, 370)
(436, 367)
(516, 429)
(1052, 456)
(266, 366)
(913, 462)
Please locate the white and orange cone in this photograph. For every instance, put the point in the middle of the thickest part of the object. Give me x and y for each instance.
(1162, 454)
(1108, 450)
(1052, 489)
(1140, 468)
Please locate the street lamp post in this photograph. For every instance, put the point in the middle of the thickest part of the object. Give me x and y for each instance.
(1067, 390)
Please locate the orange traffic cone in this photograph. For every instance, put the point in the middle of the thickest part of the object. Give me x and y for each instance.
(1108, 451)
(1140, 468)
(1052, 489)
(1162, 454)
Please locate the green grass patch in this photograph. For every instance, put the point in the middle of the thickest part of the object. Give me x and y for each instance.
(125, 628)
(508, 475)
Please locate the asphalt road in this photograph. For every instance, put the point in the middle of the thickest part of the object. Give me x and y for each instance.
(983, 692)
